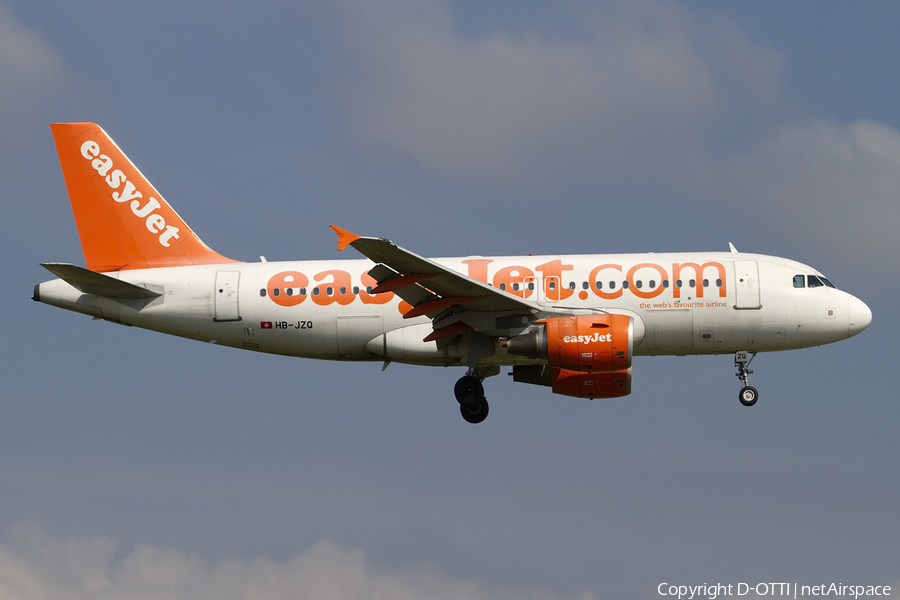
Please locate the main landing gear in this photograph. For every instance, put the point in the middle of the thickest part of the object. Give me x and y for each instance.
(470, 393)
(748, 394)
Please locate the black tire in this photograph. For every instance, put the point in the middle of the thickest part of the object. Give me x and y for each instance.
(748, 395)
(468, 390)
(474, 412)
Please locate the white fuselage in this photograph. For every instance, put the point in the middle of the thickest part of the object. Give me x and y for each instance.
(682, 303)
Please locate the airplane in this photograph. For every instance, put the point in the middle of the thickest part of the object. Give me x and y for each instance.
(572, 323)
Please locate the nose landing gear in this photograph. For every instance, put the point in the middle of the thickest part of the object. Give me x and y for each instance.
(748, 394)
(469, 393)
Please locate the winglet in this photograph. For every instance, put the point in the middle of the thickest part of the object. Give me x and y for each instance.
(345, 238)
(733, 249)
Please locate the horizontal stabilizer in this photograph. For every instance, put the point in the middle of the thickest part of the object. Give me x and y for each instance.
(90, 282)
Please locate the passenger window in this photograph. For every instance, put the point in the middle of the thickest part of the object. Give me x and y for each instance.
(262, 293)
(678, 283)
(355, 290)
(665, 283)
(302, 291)
(638, 284)
(515, 287)
(599, 285)
(718, 283)
(315, 291)
(531, 286)
(571, 285)
(368, 289)
(502, 287)
(584, 285)
(813, 281)
(706, 283)
(612, 285)
(625, 284)
(552, 285)
(799, 281)
(652, 284)
(289, 291)
(693, 283)
(343, 290)
(275, 292)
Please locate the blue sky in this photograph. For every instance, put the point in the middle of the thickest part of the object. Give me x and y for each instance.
(136, 465)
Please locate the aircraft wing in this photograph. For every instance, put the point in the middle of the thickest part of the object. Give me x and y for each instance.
(430, 288)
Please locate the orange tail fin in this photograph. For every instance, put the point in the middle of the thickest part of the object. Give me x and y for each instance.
(123, 222)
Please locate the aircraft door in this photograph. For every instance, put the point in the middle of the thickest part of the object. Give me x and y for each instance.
(531, 287)
(226, 293)
(545, 289)
(551, 288)
(746, 285)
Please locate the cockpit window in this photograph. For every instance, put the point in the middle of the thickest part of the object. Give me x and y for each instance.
(811, 281)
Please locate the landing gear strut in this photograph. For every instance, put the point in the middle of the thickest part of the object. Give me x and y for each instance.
(469, 393)
(748, 394)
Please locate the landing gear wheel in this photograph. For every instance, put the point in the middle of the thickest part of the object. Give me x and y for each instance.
(468, 390)
(742, 359)
(469, 393)
(748, 395)
(474, 412)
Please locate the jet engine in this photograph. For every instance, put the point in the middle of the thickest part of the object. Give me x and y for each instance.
(589, 343)
(610, 384)
(587, 356)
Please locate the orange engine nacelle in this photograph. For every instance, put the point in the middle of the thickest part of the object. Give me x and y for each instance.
(586, 344)
(612, 384)
(591, 385)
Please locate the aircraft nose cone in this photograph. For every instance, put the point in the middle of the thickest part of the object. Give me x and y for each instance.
(860, 316)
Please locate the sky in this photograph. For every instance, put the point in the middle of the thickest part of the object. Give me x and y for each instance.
(138, 466)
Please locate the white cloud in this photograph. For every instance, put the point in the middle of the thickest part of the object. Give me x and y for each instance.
(34, 566)
(35, 91)
(29, 67)
(26, 60)
(629, 85)
(642, 97)
(822, 183)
